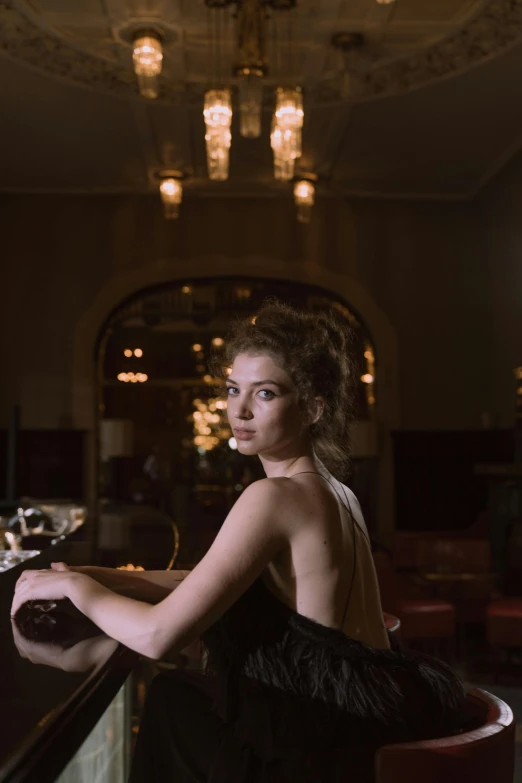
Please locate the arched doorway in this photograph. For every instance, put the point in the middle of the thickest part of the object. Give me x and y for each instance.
(164, 439)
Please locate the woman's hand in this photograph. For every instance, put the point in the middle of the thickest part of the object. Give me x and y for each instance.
(44, 585)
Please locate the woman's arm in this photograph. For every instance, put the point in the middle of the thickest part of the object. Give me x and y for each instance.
(150, 586)
(250, 537)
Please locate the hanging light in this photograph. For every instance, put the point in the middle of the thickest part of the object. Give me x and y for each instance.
(218, 118)
(147, 56)
(285, 137)
(304, 197)
(250, 102)
(171, 191)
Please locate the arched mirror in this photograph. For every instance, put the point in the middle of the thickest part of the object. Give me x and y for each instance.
(166, 449)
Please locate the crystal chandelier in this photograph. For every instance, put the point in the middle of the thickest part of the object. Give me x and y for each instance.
(218, 118)
(171, 192)
(147, 56)
(287, 126)
(304, 197)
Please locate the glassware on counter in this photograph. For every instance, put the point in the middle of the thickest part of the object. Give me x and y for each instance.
(10, 558)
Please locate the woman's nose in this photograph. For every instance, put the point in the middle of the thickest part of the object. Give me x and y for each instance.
(242, 409)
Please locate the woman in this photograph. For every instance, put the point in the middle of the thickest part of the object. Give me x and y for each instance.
(301, 683)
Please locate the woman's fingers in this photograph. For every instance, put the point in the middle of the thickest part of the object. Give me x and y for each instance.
(60, 567)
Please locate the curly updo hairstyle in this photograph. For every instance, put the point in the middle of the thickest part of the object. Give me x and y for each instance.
(315, 349)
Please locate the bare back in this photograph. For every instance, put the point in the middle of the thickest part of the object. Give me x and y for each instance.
(313, 575)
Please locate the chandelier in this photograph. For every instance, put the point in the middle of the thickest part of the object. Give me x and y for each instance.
(171, 192)
(250, 66)
(285, 137)
(304, 197)
(217, 113)
(147, 56)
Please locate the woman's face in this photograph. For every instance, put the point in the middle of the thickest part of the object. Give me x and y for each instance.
(263, 408)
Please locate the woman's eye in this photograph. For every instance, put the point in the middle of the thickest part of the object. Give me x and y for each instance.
(231, 390)
(267, 394)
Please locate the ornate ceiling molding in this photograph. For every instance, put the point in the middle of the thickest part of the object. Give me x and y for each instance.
(492, 31)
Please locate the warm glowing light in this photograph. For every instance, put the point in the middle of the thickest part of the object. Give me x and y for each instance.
(221, 405)
(518, 373)
(285, 137)
(186, 289)
(133, 378)
(123, 377)
(232, 443)
(304, 197)
(130, 567)
(147, 57)
(228, 370)
(385, 2)
(218, 342)
(127, 352)
(197, 415)
(217, 113)
(197, 347)
(367, 378)
(138, 352)
(171, 191)
(368, 354)
(207, 378)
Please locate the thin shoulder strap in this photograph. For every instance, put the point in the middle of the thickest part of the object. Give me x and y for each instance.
(349, 509)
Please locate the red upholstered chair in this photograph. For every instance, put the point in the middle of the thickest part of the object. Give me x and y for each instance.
(393, 624)
(504, 622)
(421, 618)
(483, 755)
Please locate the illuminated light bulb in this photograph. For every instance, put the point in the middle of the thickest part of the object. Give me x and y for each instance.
(171, 192)
(186, 289)
(207, 378)
(228, 370)
(368, 354)
(138, 352)
(147, 57)
(217, 113)
(197, 415)
(232, 443)
(207, 416)
(221, 405)
(367, 378)
(123, 377)
(218, 342)
(197, 347)
(133, 378)
(206, 430)
(304, 197)
(127, 352)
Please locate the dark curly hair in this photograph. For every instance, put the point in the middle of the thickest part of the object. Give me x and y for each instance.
(315, 348)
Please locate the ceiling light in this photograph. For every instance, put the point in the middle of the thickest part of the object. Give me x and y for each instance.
(171, 191)
(197, 347)
(127, 352)
(147, 57)
(218, 342)
(186, 289)
(217, 113)
(304, 196)
(138, 352)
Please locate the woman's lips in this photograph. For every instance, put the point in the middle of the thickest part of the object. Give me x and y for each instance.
(244, 434)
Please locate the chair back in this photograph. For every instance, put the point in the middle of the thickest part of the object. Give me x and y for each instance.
(483, 754)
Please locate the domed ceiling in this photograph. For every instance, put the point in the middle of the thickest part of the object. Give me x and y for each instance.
(427, 106)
